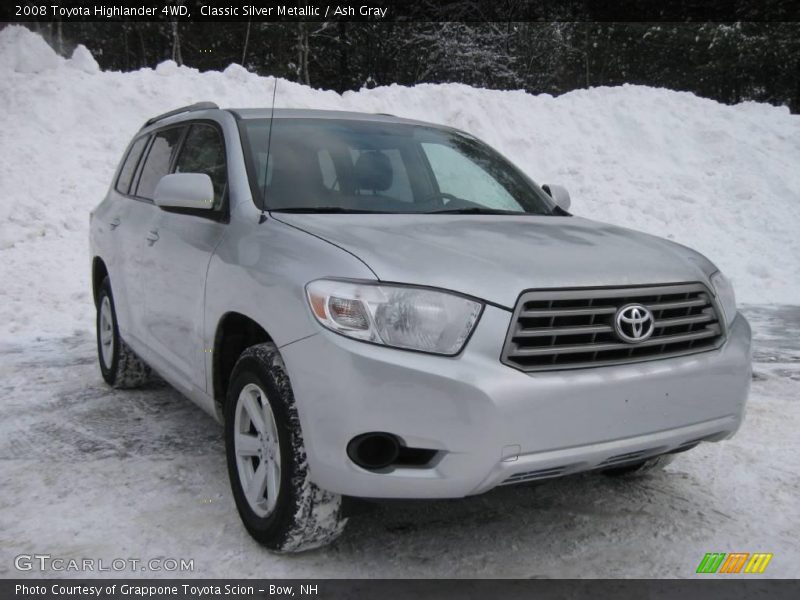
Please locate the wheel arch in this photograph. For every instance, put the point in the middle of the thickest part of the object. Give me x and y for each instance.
(235, 332)
(99, 273)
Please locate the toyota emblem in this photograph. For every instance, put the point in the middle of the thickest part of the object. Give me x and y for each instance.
(634, 323)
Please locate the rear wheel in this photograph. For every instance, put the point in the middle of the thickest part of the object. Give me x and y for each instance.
(641, 468)
(120, 366)
(279, 505)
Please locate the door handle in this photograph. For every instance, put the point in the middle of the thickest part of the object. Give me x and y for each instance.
(115, 222)
(152, 238)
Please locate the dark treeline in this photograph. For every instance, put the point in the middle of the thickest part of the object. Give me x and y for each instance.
(729, 62)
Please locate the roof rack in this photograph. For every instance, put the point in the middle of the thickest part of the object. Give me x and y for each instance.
(182, 109)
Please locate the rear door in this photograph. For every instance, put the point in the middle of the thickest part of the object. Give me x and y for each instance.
(155, 163)
(114, 233)
(179, 245)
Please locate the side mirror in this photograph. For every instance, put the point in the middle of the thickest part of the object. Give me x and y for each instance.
(559, 194)
(185, 190)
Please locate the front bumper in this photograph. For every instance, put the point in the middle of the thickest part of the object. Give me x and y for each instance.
(493, 424)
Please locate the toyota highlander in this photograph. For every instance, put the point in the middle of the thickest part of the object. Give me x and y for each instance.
(378, 307)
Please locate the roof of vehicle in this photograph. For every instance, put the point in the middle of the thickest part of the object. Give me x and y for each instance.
(308, 113)
(203, 108)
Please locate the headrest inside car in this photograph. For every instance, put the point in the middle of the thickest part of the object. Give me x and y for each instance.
(373, 171)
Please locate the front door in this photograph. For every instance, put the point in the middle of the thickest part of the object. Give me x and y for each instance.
(178, 246)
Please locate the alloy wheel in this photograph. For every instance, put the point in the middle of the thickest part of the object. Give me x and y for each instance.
(106, 332)
(258, 453)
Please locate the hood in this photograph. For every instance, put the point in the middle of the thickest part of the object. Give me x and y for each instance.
(496, 257)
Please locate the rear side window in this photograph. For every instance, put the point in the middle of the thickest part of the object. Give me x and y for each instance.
(204, 152)
(129, 166)
(158, 161)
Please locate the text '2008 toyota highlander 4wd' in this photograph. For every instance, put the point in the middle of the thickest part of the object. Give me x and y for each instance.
(379, 307)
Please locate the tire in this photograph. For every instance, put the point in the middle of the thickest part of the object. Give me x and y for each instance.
(119, 365)
(641, 469)
(283, 509)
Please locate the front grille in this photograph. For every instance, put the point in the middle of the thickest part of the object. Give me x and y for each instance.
(574, 328)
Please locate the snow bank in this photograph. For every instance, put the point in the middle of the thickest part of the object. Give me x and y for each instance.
(83, 60)
(722, 179)
(23, 51)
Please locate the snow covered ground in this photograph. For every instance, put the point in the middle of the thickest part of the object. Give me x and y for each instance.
(86, 471)
(91, 472)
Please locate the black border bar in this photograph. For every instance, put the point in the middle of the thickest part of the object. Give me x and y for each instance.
(713, 588)
(21, 11)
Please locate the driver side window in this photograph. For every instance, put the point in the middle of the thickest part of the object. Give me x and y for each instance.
(204, 152)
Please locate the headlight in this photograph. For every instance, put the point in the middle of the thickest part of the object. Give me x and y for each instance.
(397, 316)
(725, 296)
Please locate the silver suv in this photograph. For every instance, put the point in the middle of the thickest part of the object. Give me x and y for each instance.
(384, 308)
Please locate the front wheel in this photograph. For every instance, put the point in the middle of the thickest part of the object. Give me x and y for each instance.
(279, 505)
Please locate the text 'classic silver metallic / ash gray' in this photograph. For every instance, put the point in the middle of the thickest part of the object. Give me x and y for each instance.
(385, 308)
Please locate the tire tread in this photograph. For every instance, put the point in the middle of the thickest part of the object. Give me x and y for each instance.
(315, 519)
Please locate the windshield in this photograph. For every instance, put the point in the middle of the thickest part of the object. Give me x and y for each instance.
(324, 165)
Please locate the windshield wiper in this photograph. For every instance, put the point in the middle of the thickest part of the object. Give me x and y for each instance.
(325, 210)
(474, 210)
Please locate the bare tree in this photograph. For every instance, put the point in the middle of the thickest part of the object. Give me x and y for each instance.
(176, 44)
(59, 38)
(303, 50)
(246, 41)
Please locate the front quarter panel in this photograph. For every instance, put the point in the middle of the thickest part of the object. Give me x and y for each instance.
(260, 271)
